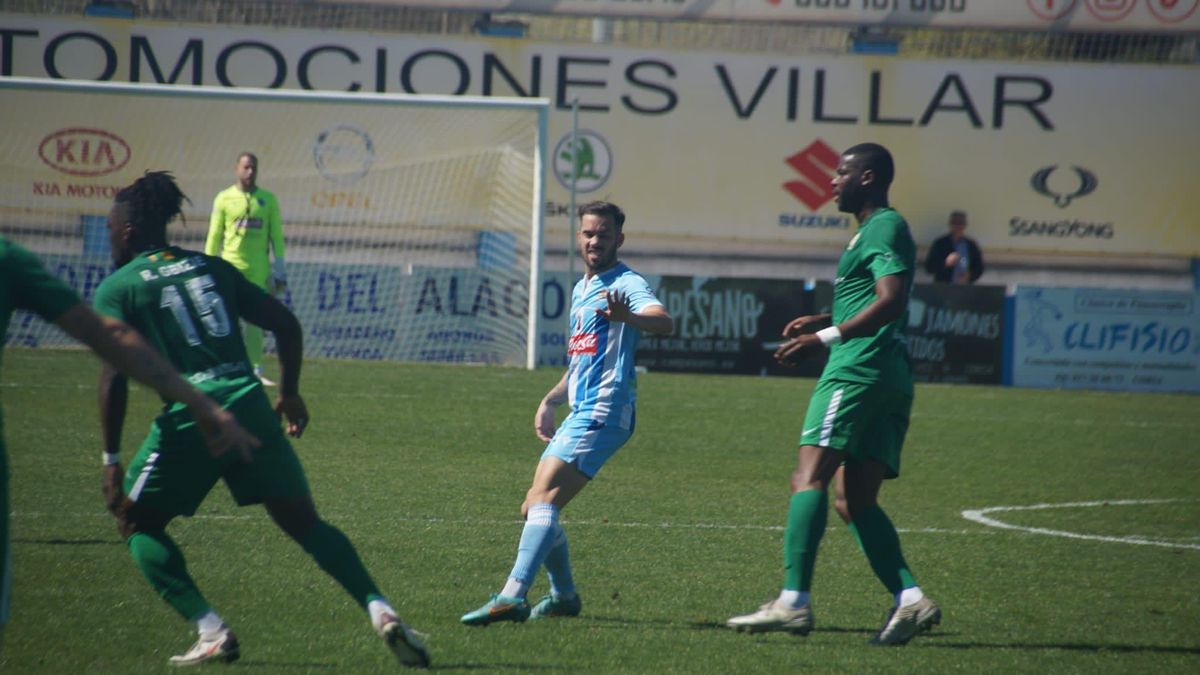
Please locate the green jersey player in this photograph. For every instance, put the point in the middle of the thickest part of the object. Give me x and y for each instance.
(25, 284)
(186, 304)
(244, 228)
(858, 415)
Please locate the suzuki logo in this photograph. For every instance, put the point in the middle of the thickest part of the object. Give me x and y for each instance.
(1040, 179)
(84, 152)
(817, 163)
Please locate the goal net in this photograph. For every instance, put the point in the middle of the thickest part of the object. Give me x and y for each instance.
(412, 224)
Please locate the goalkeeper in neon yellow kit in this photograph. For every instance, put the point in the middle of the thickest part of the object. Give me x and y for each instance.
(243, 229)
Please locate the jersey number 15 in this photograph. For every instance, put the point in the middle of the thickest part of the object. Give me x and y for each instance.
(207, 302)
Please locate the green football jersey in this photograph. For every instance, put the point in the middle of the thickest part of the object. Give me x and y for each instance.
(187, 305)
(883, 246)
(26, 284)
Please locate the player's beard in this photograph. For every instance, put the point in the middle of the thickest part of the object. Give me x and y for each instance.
(604, 260)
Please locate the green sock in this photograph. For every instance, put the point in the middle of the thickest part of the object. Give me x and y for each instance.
(336, 555)
(162, 563)
(878, 540)
(807, 514)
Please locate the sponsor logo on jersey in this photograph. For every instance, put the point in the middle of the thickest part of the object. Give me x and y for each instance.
(84, 152)
(583, 343)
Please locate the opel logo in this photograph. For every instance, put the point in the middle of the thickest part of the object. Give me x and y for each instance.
(343, 153)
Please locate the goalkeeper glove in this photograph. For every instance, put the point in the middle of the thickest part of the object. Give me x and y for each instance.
(278, 279)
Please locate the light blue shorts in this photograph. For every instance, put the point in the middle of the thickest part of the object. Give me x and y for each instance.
(588, 444)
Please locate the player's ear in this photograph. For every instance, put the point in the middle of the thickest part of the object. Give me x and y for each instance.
(867, 177)
(620, 238)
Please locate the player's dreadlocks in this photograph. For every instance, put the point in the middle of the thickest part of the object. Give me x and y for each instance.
(153, 201)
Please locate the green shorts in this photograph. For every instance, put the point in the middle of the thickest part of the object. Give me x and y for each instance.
(173, 471)
(865, 421)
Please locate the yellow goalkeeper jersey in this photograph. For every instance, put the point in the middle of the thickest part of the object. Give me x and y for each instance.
(242, 229)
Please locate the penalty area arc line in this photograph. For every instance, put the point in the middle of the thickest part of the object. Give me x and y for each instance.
(980, 516)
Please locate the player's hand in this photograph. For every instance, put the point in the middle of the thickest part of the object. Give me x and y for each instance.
(222, 432)
(618, 310)
(543, 422)
(792, 351)
(111, 486)
(796, 326)
(952, 259)
(278, 285)
(292, 408)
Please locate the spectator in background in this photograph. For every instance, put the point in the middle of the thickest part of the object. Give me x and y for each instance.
(955, 258)
(243, 229)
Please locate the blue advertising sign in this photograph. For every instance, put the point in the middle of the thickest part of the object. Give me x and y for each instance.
(1124, 339)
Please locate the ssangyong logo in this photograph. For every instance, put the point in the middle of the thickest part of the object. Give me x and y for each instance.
(816, 164)
(1040, 180)
(84, 152)
(584, 343)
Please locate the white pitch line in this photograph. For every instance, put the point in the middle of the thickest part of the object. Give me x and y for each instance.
(476, 521)
(977, 515)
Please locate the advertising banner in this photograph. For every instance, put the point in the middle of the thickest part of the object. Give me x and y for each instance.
(375, 312)
(1107, 15)
(697, 146)
(955, 333)
(726, 325)
(1106, 339)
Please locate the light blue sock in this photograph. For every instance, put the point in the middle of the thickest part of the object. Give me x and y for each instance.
(536, 539)
(558, 566)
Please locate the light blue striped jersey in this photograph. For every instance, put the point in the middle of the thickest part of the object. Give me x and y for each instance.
(601, 382)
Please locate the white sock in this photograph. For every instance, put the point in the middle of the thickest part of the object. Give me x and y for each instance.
(793, 599)
(209, 624)
(908, 596)
(377, 608)
(514, 589)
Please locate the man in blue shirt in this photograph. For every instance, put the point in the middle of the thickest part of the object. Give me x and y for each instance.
(610, 308)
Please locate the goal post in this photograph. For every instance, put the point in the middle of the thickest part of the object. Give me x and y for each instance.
(412, 223)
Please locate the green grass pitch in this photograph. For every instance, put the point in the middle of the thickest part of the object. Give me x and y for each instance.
(424, 467)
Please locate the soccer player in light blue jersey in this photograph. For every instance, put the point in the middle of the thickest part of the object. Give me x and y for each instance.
(610, 308)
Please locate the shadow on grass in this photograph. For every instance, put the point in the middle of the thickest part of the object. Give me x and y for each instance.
(493, 666)
(243, 663)
(720, 625)
(71, 542)
(1071, 646)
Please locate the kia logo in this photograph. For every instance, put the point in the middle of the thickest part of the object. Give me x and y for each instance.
(84, 152)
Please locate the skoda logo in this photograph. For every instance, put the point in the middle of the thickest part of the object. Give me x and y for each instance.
(586, 163)
(343, 153)
(1040, 180)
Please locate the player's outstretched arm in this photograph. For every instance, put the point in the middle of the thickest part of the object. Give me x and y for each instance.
(891, 297)
(652, 319)
(796, 326)
(120, 345)
(543, 421)
(270, 314)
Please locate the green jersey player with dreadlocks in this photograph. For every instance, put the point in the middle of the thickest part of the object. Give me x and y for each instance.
(187, 305)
